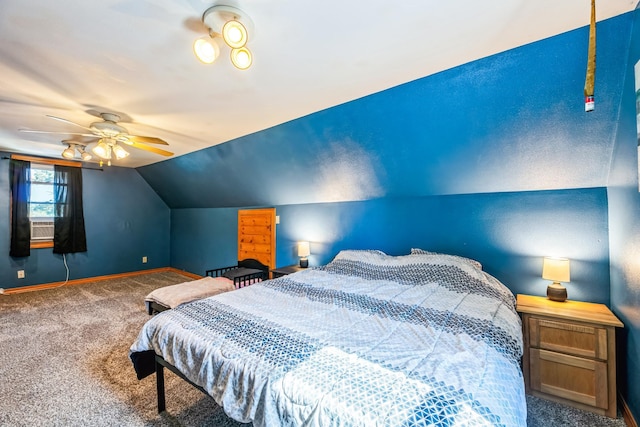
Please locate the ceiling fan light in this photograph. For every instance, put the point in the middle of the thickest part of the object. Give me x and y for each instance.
(206, 49)
(69, 152)
(102, 150)
(241, 58)
(234, 34)
(119, 152)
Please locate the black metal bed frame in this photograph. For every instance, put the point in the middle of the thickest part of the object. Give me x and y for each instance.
(160, 365)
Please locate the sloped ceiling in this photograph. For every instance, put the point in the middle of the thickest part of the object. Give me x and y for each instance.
(133, 57)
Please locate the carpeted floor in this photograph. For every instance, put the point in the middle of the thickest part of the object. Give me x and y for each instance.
(64, 362)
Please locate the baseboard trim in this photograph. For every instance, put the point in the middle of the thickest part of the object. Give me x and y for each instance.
(96, 279)
(626, 412)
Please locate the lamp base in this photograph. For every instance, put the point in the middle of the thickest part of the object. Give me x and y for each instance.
(556, 292)
(304, 262)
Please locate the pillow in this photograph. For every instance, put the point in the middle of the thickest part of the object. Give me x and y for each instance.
(360, 254)
(472, 262)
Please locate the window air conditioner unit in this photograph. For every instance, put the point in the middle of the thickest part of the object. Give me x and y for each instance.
(41, 230)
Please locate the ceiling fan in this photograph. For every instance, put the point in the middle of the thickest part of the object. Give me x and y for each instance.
(107, 134)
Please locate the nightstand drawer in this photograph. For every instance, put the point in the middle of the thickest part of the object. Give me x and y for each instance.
(569, 377)
(568, 337)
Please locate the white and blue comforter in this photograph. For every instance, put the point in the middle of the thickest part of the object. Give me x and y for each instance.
(367, 340)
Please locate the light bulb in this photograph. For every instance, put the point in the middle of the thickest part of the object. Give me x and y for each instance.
(234, 34)
(206, 49)
(241, 58)
(84, 155)
(102, 150)
(69, 152)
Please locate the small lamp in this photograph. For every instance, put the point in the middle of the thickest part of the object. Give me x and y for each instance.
(557, 270)
(303, 253)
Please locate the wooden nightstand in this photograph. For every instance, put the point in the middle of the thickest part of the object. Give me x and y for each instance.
(283, 271)
(570, 352)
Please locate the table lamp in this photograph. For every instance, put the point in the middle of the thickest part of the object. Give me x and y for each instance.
(303, 253)
(557, 270)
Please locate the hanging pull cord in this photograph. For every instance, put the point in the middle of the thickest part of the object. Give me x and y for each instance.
(589, 100)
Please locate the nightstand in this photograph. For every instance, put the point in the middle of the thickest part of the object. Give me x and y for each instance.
(570, 352)
(283, 271)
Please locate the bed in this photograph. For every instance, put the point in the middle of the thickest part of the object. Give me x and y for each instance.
(217, 280)
(368, 339)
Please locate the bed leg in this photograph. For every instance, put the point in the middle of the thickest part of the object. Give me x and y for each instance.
(160, 387)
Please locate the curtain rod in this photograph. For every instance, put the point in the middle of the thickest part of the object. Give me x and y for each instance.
(80, 166)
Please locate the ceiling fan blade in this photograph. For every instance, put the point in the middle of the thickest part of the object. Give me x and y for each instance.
(151, 149)
(146, 140)
(56, 133)
(69, 122)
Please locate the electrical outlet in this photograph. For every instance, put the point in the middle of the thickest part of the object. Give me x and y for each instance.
(144, 259)
(20, 274)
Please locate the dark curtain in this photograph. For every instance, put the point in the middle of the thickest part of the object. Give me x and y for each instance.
(69, 235)
(19, 172)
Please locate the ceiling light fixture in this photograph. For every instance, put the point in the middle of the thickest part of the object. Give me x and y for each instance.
(70, 151)
(234, 27)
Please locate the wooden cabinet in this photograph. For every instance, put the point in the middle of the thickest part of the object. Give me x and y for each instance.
(569, 353)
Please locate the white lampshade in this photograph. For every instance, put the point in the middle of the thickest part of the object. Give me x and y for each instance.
(303, 249)
(234, 34)
(556, 269)
(241, 58)
(85, 156)
(102, 150)
(119, 152)
(206, 49)
(69, 152)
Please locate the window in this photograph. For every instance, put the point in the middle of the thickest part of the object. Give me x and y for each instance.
(41, 203)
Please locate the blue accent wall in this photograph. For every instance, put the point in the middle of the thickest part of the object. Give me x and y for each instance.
(124, 221)
(624, 228)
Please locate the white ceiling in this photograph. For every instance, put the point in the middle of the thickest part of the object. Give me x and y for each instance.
(72, 59)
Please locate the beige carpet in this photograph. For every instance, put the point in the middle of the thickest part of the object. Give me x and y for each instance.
(64, 362)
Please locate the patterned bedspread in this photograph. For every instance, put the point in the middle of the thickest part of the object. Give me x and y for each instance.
(367, 340)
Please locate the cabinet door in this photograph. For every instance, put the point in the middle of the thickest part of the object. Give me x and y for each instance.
(569, 377)
(570, 338)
